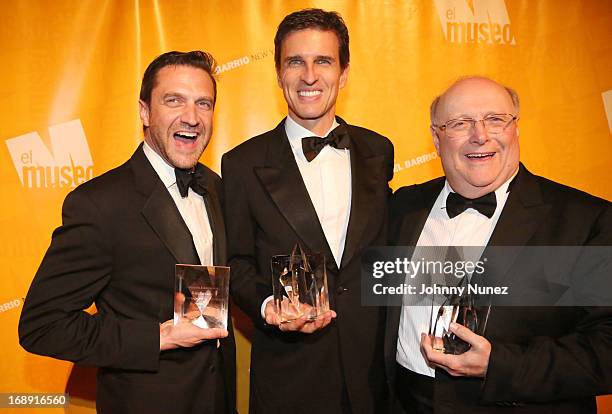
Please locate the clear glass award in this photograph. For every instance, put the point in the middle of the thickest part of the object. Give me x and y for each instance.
(299, 283)
(456, 302)
(465, 309)
(201, 295)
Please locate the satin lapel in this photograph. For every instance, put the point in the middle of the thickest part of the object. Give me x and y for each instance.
(525, 209)
(412, 224)
(367, 173)
(282, 180)
(217, 225)
(161, 213)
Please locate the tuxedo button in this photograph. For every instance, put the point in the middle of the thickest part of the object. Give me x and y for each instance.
(341, 290)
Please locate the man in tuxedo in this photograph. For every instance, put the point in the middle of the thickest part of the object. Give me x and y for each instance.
(319, 181)
(530, 360)
(121, 235)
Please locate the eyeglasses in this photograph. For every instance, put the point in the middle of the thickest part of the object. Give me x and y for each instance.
(494, 124)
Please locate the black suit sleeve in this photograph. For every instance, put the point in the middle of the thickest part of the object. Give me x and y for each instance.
(76, 268)
(546, 368)
(241, 242)
(390, 165)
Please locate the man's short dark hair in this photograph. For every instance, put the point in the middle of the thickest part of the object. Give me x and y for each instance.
(313, 19)
(195, 58)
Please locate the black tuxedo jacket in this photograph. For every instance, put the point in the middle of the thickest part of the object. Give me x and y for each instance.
(268, 211)
(120, 239)
(543, 360)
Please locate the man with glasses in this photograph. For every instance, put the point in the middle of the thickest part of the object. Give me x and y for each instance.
(529, 360)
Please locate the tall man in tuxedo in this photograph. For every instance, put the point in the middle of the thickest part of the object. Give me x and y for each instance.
(530, 360)
(122, 234)
(286, 186)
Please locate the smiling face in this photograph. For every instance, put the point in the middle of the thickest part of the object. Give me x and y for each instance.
(180, 114)
(481, 162)
(310, 76)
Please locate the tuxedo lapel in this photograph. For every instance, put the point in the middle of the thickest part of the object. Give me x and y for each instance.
(217, 224)
(282, 180)
(160, 212)
(366, 172)
(410, 226)
(429, 195)
(522, 213)
(525, 209)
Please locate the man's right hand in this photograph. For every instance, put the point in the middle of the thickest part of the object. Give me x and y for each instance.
(302, 324)
(185, 334)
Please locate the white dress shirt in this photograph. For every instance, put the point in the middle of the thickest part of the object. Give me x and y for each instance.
(469, 228)
(192, 208)
(328, 182)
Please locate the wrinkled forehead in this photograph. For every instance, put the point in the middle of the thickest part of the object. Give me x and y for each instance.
(474, 98)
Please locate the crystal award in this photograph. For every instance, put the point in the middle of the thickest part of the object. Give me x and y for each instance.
(299, 283)
(467, 309)
(201, 295)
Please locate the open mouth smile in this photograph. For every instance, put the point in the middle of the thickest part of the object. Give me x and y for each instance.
(191, 136)
(480, 155)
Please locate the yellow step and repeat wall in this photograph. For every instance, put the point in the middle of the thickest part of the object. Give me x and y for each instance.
(70, 73)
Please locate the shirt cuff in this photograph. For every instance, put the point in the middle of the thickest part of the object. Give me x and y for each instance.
(263, 306)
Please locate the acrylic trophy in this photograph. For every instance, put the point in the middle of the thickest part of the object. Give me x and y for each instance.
(465, 308)
(201, 295)
(299, 283)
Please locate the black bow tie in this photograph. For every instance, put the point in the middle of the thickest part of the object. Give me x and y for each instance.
(338, 138)
(193, 178)
(457, 204)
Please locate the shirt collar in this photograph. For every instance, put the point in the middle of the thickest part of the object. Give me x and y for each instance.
(501, 191)
(161, 167)
(501, 194)
(295, 133)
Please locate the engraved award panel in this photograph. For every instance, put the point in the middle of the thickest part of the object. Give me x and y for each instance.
(456, 302)
(299, 283)
(201, 295)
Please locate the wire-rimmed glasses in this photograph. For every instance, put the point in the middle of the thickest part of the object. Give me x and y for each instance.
(494, 124)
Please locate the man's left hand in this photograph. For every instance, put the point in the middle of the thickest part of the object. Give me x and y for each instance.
(473, 363)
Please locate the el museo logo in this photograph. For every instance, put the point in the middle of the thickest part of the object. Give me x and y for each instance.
(486, 21)
(68, 164)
